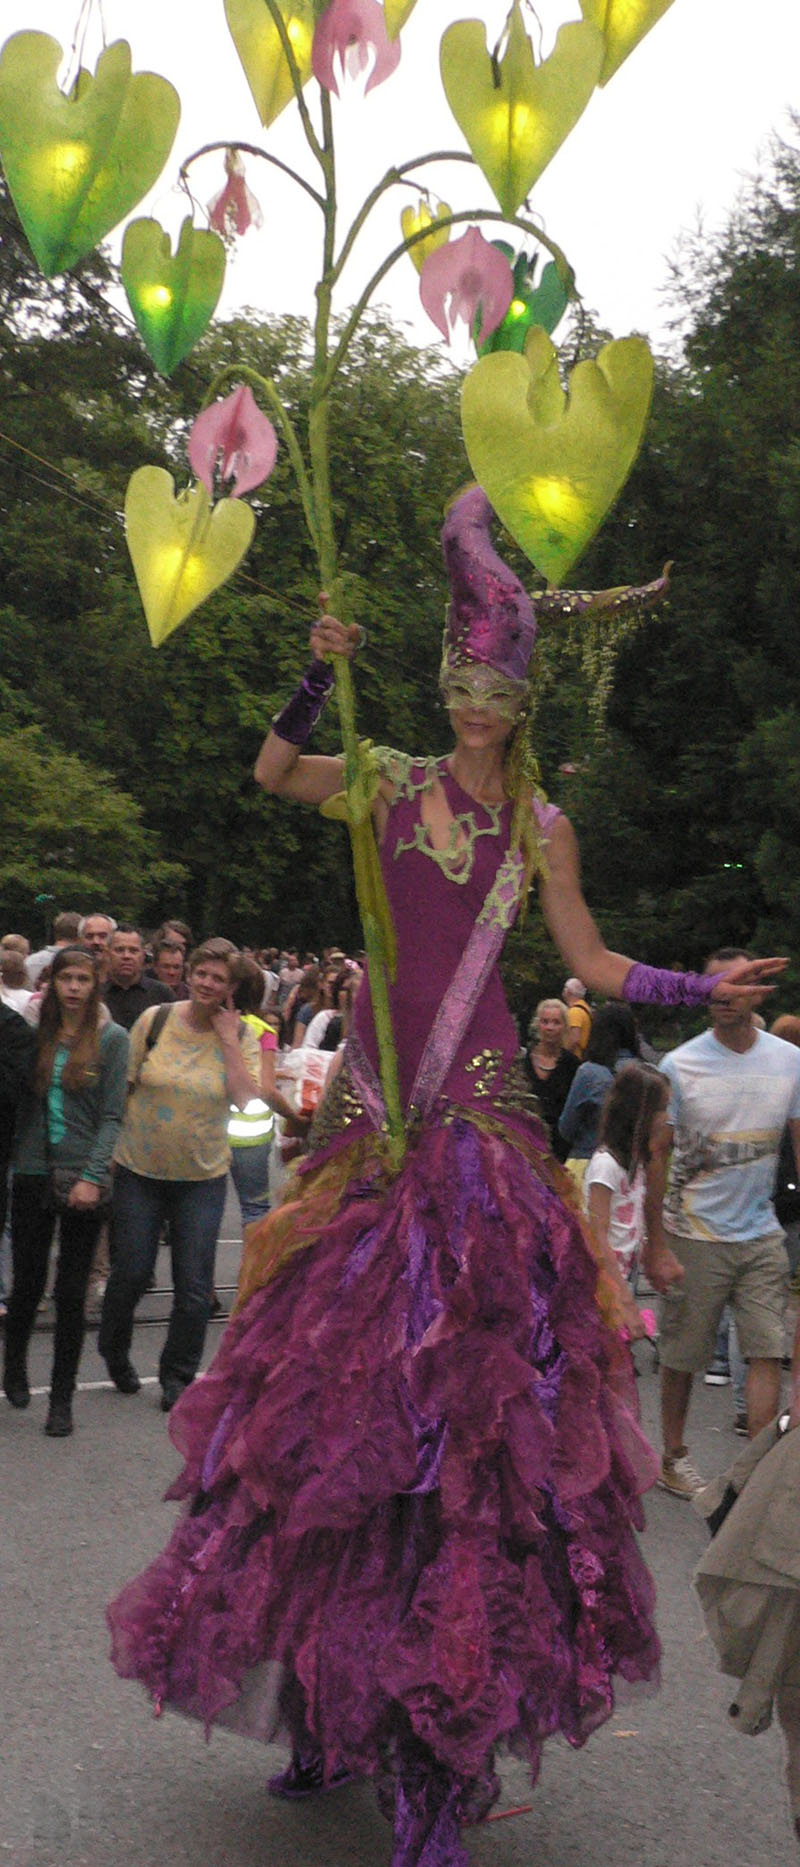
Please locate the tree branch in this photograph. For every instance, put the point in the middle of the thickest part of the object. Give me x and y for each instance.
(393, 178)
(250, 149)
(294, 72)
(452, 220)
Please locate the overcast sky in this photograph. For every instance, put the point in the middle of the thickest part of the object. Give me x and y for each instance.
(673, 134)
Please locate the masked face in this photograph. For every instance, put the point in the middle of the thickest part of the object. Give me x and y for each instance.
(474, 686)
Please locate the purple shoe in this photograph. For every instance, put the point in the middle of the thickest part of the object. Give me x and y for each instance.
(306, 1779)
(424, 1838)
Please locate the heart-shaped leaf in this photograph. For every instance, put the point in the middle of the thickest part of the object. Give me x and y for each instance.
(515, 126)
(261, 54)
(181, 549)
(552, 464)
(543, 304)
(397, 12)
(414, 219)
(76, 165)
(172, 300)
(623, 23)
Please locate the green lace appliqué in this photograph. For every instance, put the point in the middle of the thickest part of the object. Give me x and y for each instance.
(408, 775)
(457, 860)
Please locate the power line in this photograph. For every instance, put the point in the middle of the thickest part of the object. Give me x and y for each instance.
(104, 509)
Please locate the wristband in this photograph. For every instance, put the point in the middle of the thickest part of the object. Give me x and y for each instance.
(656, 985)
(296, 721)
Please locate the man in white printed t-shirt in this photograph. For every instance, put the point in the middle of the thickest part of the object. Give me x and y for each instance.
(732, 1092)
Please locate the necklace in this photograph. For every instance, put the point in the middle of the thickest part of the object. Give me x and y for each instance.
(544, 1064)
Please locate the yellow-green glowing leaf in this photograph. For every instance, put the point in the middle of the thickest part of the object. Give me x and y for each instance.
(553, 463)
(515, 127)
(261, 53)
(396, 12)
(181, 549)
(76, 165)
(623, 23)
(414, 219)
(172, 300)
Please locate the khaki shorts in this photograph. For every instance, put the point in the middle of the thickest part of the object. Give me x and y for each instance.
(752, 1274)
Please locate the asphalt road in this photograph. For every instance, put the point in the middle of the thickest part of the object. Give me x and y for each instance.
(89, 1779)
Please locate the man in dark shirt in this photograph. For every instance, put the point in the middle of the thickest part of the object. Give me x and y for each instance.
(128, 993)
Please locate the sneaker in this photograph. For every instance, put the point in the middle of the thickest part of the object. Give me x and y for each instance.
(740, 1425)
(718, 1375)
(678, 1475)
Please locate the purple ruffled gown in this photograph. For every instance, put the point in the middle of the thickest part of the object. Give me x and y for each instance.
(413, 1470)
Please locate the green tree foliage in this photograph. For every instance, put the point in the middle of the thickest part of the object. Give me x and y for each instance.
(67, 832)
(687, 799)
(680, 740)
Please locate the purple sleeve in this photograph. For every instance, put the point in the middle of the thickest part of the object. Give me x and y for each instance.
(545, 814)
(297, 719)
(657, 985)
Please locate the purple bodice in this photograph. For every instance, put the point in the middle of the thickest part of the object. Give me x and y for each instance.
(434, 914)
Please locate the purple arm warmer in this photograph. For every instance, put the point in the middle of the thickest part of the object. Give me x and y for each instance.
(296, 721)
(656, 985)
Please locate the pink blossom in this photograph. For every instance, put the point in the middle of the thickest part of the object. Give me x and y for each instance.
(235, 208)
(471, 273)
(348, 29)
(244, 437)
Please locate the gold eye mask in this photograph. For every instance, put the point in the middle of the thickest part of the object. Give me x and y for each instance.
(480, 686)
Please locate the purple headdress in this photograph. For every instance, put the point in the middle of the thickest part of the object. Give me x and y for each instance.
(490, 618)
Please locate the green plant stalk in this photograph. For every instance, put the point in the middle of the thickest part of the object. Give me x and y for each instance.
(373, 907)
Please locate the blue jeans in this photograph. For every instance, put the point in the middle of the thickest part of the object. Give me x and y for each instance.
(250, 1176)
(194, 1210)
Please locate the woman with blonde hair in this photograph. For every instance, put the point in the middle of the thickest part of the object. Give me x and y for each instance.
(413, 1473)
(550, 1065)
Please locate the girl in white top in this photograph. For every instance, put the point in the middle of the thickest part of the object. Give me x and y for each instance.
(616, 1176)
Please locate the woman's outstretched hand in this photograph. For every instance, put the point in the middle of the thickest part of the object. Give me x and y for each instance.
(331, 637)
(748, 979)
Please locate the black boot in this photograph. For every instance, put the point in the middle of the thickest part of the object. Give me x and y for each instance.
(58, 1424)
(15, 1381)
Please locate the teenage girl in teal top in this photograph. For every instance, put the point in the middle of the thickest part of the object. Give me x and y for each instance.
(66, 1132)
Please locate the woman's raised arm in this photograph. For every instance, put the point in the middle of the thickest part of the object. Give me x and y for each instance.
(281, 766)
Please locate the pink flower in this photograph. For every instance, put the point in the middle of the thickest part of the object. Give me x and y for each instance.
(348, 29)
(471, 273)
(244, 437)
(235, 208)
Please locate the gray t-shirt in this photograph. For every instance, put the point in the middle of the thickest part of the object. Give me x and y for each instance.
(728, 1110)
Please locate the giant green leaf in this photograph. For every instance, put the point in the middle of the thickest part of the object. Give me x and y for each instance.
(515, 114)
(172, 300)
(76, 164)
(552, 463)
(623, 23)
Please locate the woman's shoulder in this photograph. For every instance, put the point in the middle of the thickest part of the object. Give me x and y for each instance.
(113, 1037)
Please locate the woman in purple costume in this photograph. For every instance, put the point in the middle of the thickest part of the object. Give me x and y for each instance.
(413, 1471)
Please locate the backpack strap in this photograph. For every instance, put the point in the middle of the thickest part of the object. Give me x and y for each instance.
(157, 1026)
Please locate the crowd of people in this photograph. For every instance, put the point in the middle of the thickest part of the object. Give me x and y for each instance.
(413, 1470)
(138, 1072)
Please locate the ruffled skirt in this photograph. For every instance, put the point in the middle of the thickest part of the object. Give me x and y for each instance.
(412, 1478)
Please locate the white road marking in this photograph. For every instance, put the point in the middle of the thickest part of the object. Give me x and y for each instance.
(94, 1387)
